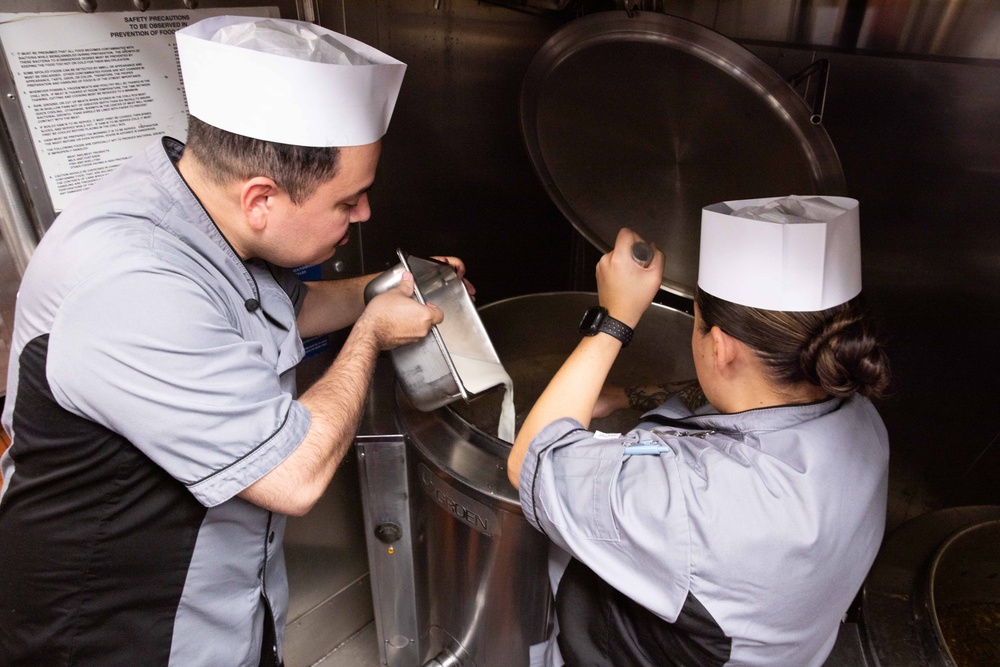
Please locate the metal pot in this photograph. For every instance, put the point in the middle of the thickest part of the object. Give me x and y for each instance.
(534, 334)
(963, 594)
(459, 575)
(931, 599)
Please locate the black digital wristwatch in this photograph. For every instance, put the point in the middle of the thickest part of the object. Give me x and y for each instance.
(596, 320)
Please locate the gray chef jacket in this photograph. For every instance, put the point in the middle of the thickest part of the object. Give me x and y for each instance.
(145, 391)
(768, 519)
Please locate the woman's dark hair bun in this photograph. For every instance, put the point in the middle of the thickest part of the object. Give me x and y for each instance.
(838, 349)
(847, 357)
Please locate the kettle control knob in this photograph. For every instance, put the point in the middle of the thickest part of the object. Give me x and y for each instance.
(388, 532)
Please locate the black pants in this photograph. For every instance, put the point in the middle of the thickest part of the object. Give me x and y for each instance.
(269, 643)
(601, 627)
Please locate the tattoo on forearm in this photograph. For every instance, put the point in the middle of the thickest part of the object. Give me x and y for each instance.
(693, 396)
(647, 397)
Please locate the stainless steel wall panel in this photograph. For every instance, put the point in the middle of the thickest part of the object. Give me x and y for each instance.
(953, 28)
(454, 177)
(919, 141)
(18, 233)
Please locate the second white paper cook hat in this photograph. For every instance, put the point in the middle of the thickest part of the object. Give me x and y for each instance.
(285, 81)
(782, 253)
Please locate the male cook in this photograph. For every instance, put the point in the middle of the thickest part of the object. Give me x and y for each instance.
(157, 441)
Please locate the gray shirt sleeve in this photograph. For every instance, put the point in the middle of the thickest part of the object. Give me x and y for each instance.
(146, 351)
(624, 517)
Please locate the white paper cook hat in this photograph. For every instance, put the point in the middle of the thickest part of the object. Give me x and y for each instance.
(782, 253)
(287, 81)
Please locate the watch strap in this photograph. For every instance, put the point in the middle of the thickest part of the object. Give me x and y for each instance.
(616, 328)
(597, 320)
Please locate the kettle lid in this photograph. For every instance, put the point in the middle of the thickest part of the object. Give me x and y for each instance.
(641, 120)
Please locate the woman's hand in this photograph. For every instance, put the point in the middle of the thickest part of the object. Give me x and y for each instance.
(624, 287)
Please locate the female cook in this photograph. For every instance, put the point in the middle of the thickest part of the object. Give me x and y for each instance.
(737, 532)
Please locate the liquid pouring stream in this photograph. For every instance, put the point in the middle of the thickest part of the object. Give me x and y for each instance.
(479, 375)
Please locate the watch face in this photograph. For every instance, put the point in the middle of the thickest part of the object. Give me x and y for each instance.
(592, 320)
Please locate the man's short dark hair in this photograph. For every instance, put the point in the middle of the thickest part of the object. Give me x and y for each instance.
(229, 157)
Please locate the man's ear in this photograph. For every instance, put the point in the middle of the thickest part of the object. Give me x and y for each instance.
(725, 349)
(256, 201)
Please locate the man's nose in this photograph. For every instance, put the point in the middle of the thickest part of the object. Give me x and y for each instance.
(362, 211)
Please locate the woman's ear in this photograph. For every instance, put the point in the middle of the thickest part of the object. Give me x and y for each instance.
(257, 201)
(725, 350)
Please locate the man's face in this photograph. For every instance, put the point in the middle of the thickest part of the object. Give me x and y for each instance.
(310, 232)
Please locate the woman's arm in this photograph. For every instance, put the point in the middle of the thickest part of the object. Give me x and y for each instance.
(649, 397)
(571, 393)
(626, 289)
(646, 397)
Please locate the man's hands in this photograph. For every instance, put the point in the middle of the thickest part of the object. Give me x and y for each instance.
(624, 287)
(395, 318)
